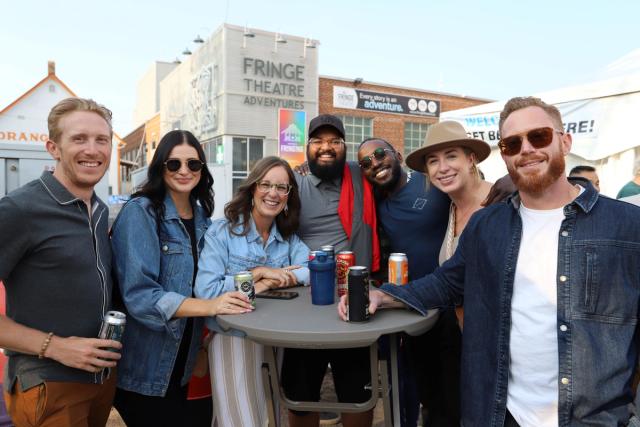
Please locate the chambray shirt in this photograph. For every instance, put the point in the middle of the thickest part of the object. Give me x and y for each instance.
(226, 254)
(598, 291)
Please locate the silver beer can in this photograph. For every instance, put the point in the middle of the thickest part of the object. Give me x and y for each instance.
(243, 282)
(112, 327)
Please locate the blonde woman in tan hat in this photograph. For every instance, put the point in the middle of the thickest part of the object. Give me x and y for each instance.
(449, 158)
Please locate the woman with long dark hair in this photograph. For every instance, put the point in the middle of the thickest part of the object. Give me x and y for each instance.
(258, 235)
(156, 240)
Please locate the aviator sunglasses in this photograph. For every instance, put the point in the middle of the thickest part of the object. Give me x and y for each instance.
(379, 154)
(194, 165)
(538, 138)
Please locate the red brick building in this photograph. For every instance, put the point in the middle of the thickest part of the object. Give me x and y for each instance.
(398, 114)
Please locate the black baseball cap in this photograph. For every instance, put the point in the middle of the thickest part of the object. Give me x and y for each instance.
(326, 120)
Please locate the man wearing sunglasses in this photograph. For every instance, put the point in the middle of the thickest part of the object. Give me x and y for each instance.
(551, 290)
(413, 219)
(337, 209)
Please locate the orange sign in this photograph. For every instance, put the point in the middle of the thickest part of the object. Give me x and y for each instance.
(23, 136)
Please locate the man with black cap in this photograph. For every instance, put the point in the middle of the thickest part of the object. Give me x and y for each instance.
(337, 209)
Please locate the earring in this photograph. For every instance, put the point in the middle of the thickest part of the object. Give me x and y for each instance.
(286, 210)
(252, 202)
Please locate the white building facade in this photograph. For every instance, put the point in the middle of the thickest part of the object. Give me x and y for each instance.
(228, 93)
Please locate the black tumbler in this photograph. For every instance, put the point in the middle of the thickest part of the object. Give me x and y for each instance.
(358, 293)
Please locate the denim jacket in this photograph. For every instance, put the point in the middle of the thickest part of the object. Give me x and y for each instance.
(226, 254)
(598, 291)
(155, 276)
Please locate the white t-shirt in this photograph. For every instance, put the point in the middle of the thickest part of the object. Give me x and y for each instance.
(532, 396)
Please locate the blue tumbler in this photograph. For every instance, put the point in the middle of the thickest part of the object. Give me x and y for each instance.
(322, 270)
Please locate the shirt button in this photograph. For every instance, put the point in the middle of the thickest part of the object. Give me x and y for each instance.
(563, 278)
(165, 248)
(564, 233)
(564, 381)
(563, 328)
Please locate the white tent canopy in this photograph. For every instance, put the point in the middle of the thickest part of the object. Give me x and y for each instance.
(601, 116)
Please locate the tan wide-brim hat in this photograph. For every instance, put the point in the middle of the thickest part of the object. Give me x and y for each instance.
(444, 135)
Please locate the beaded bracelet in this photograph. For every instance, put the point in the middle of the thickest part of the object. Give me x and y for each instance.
(45, 345)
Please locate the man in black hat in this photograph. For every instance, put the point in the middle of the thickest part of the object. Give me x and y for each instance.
(335, 199)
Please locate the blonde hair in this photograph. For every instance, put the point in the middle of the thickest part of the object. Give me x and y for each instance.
(70, 105)
(520, 102)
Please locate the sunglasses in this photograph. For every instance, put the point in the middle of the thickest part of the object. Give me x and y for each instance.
(281, 189)
(174, 165)
(538, 138)
(379, 154)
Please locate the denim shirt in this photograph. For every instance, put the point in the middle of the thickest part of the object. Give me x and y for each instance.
(226, 254)
(598, 291)
(155, 276)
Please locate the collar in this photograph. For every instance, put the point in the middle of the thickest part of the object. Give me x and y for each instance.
(585, 201)
(170, 210)
(317, 181)
(253, 234)
(58, 191)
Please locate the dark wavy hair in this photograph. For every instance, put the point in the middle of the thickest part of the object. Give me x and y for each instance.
(155, 189)
(240, 206)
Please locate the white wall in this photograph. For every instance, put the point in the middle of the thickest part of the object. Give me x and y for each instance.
(148, 92)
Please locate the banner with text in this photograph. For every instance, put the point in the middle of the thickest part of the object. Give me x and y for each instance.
(291, 141)
(357, 99)
(600, 127)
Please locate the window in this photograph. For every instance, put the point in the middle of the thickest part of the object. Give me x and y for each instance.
(213, 149)
(246, 152)
(357, 129)
(414, 134)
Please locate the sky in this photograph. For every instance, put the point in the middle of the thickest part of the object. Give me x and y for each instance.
(487, 49)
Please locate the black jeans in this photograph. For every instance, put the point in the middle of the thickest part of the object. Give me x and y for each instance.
(434, 358)
(509, 421)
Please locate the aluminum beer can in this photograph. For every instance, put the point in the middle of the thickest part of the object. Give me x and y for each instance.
(398, 269)
(344, 260)
(329, 250)
(243, 282)
(358, 294)
(112, 327)
(312, 255)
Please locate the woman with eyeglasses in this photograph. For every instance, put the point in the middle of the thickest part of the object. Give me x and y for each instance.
(156, 240)
(257, 235)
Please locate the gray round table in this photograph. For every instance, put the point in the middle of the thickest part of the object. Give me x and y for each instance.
(298, 323)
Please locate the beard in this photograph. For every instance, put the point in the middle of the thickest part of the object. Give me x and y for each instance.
(538, 182)
(396, 172)
(327, 172)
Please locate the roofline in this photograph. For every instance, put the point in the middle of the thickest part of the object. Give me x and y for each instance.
(473, 98)
(264, 32)
(30, 91)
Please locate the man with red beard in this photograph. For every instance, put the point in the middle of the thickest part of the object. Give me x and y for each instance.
(551, 288)
(337, 209)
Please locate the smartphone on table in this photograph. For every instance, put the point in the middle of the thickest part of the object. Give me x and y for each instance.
(276, 294)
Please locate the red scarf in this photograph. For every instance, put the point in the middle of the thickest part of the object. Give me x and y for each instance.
(345, 212)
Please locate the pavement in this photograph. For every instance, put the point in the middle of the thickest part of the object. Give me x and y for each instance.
(327, 393)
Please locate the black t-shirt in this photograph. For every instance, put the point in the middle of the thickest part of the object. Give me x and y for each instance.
(187, 336)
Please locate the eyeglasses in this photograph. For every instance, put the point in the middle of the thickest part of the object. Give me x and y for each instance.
(174, 165)
(379, 154)
(266, 186)
(538, 138)
(332, 142)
